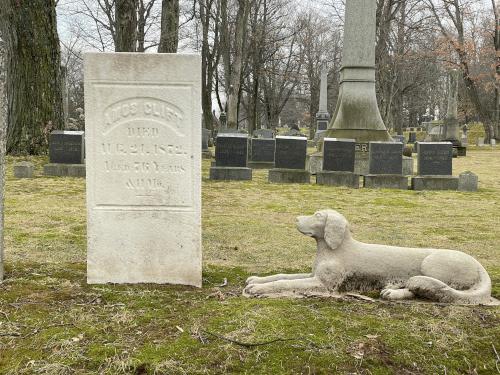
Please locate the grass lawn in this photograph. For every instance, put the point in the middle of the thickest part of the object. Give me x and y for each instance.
(52, 322)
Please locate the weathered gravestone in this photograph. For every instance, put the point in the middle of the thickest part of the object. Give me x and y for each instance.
(262, 153)
(205, 136)
(231, 153)
(143, 145)
(205, 139)
(66, 154)
(467, 181)
(386, 166)
(338, 163)
(24, 169)
(290, 160)
(434, 167)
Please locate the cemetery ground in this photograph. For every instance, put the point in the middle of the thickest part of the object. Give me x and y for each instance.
(52, 322)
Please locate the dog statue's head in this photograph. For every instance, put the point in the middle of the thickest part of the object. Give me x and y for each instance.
(327, 224)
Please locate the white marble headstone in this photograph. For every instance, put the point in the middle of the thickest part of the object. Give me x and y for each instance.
(142, 122)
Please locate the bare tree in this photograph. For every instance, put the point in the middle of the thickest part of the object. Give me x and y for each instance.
(496, 40)
(95, 22)
(126, 25)
(144, 13)
(169, 36)
(454, 13)
(209, 15)
(233, 41)
(319, 42)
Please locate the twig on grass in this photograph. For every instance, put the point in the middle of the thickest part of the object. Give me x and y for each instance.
(5, 315)
(497, 363)
(7, 334)
(249, 344)
(279, 339)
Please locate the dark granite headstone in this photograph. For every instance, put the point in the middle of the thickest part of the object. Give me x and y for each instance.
(290, 153)
(412, 137)
(231, 150)
(386, 158)
(205, 137)
(67, 147)
(263, 150)
(338, 154)
(434, 158)
(322, 125)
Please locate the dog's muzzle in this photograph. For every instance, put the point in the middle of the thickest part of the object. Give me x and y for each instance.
(303, 227)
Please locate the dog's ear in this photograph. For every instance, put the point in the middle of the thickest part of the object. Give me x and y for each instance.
(335, 228)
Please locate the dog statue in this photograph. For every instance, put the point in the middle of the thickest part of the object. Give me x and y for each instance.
(343, 264)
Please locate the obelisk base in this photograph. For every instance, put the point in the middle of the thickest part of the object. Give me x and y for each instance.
(360, 135)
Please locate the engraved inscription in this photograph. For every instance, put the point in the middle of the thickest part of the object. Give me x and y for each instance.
(435, 159)
(143, 159)
(362, 147)
(143, 108)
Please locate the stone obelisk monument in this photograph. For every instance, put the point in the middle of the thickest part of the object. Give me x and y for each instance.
(451, 130)
(322, 116)
(357, 115)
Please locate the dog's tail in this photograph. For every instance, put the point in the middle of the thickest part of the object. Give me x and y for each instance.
(436, 290)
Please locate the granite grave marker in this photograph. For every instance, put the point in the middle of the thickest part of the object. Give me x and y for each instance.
(66, 147)
(434, 158)
(290, 152)
(338, 154)
(231, 150)
(263, 150)
(386, 158)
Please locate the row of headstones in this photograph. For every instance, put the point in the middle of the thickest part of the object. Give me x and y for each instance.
(286, 156)
(66, 156)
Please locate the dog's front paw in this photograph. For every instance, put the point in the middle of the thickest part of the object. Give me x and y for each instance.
(396, 294)
(252, 279)
(255, 290)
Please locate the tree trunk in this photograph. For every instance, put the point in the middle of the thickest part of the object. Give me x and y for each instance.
(126, 25)
(169, 37)
(397, 106)
(34, 89)
(3, 128)
(496, 39)
(235, 80)
(209, 60)
(141, 26)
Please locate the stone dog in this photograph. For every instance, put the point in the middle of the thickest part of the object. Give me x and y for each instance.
(344, 265)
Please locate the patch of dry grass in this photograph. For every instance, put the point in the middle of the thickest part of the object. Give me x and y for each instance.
(52, 322)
